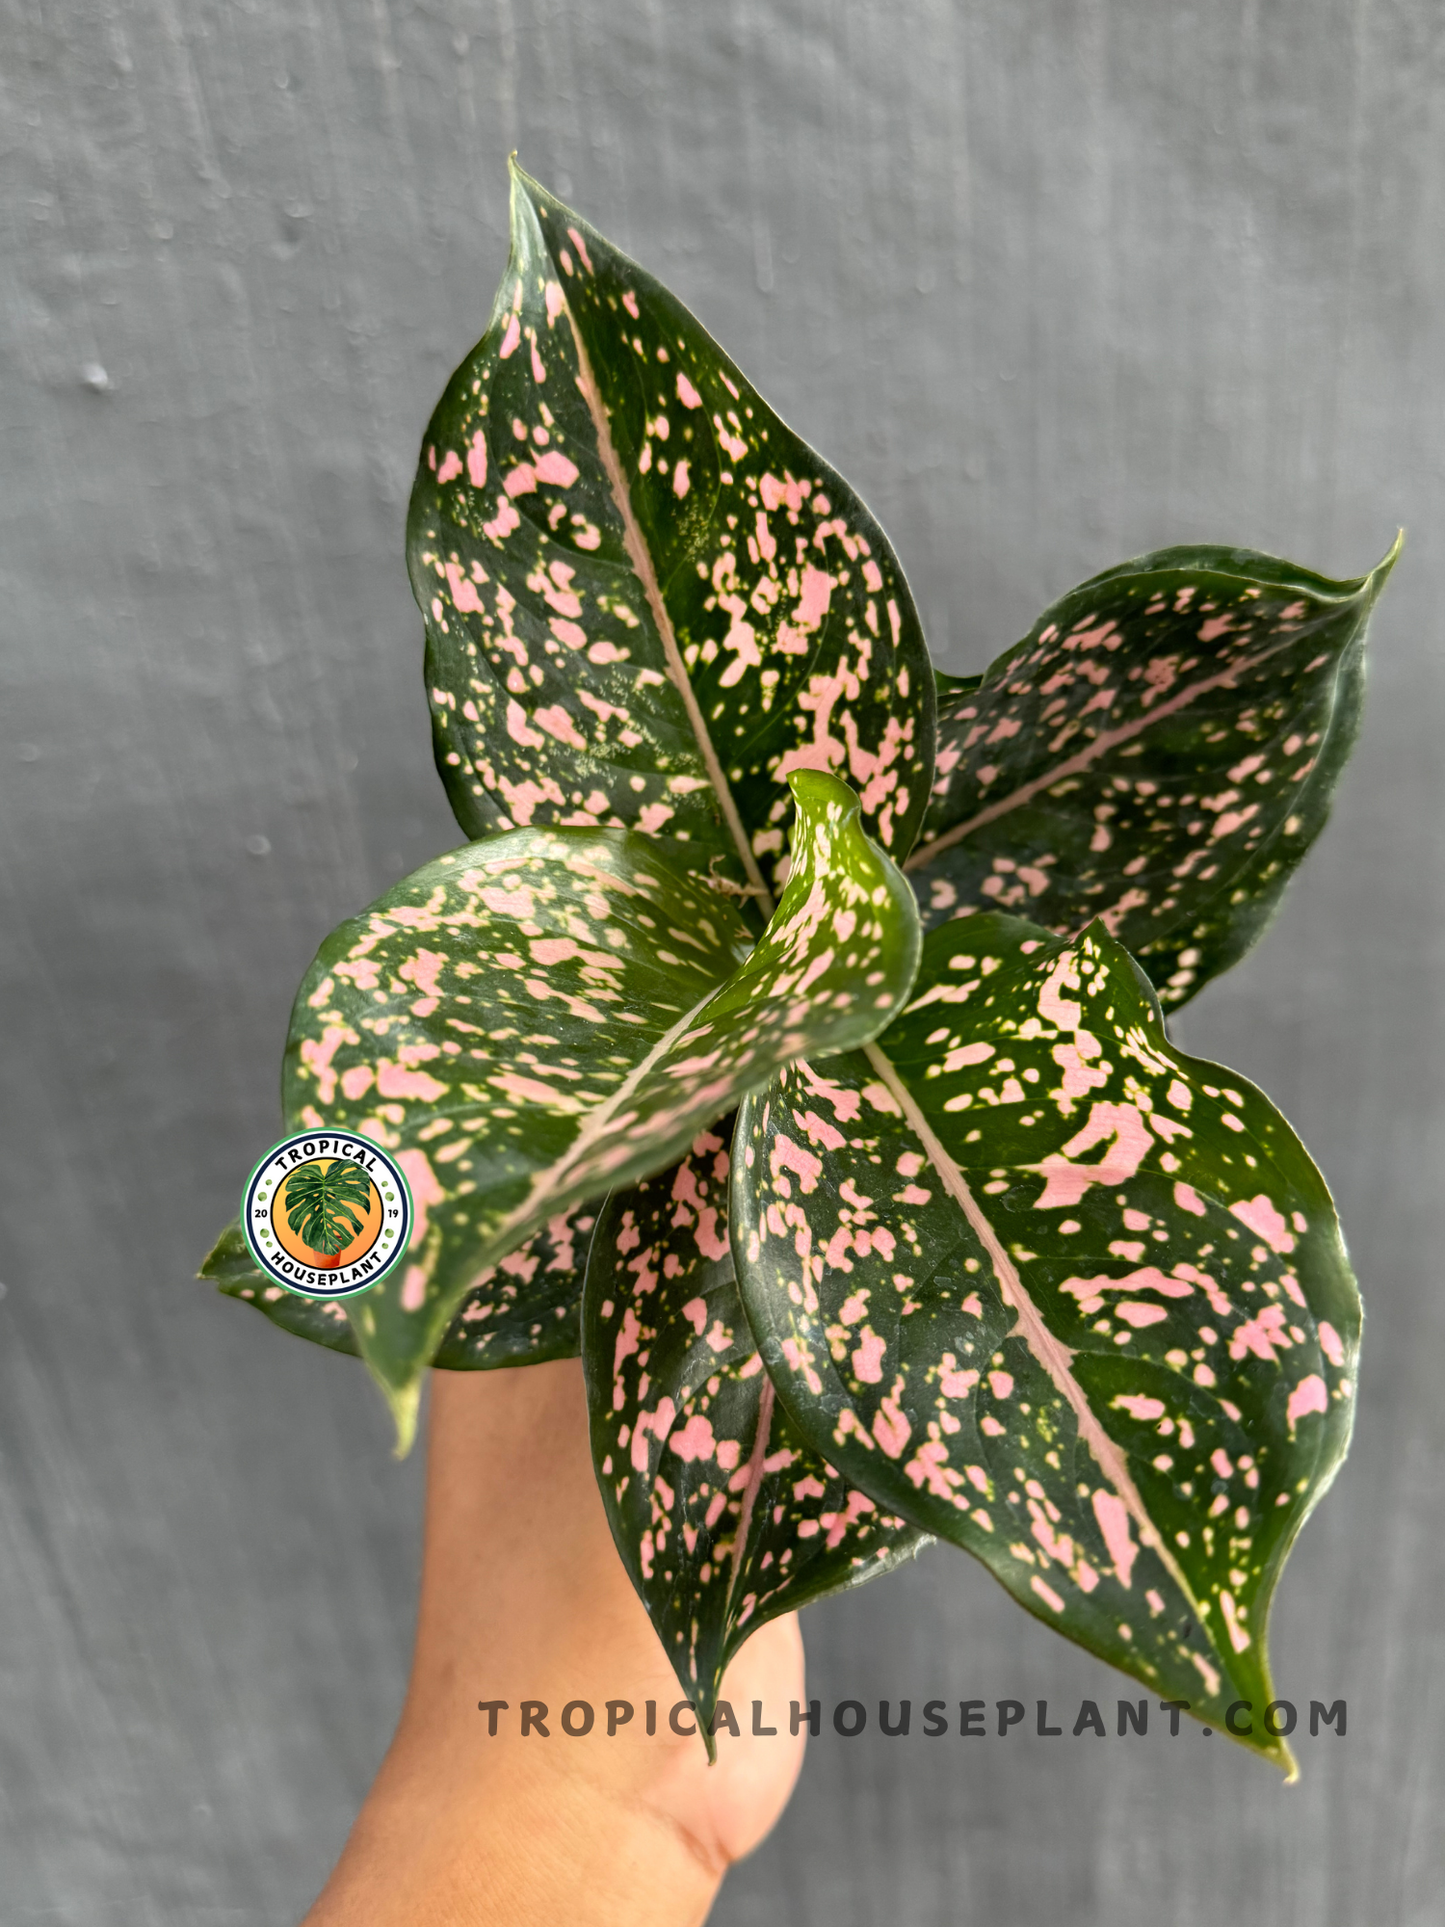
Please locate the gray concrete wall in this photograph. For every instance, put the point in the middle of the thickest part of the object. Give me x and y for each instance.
(1053, 283)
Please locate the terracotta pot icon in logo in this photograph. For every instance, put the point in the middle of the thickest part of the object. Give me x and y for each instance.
(326, 1207)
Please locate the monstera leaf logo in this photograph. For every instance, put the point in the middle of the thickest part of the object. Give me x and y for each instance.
(326, 1206)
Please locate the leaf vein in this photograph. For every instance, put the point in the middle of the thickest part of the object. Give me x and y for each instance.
(642, 565)
(1055, 1357)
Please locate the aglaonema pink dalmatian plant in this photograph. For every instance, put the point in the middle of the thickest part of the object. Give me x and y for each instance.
(788, 1037)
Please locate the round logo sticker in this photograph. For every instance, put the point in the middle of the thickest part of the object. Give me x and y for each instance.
(327, 1215)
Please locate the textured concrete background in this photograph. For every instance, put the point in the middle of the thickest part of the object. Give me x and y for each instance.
(1053, 283)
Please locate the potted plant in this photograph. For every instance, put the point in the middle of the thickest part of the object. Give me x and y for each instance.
(789, 1036)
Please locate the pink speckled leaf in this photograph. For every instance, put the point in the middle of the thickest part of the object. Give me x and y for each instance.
(544, 1014)
(1047, 1287)
(526, 1307)
(521, 1310)
(723, 1516)
(647, 601)
(1160, 751)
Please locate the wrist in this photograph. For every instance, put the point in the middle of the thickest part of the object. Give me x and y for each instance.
(524, 1598)
(520, 1836)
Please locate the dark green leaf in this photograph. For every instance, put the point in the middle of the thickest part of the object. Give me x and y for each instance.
(522, 1310)
(647, 601)
(949, 689)
(231, 1268)
(526, 1307)
(1050, 1289)
(723, 1516)
(1159, 752)
(545, 1013)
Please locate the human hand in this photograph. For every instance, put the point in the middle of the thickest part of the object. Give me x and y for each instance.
(523, 1596)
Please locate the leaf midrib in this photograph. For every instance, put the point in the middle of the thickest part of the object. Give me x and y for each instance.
(757, 1466)
(640, 557)
(1081, 760)
(1051, 1352)
(598, 1120)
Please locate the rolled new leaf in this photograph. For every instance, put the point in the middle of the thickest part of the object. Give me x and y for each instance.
(522, 1310)
(723, 1515)
(534, 1018)
(1047, 1287)
(1160, 752)
(647, 601)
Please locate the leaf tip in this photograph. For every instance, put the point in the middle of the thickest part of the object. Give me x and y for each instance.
(228, 1257)
(524, 187)
(815, 789)
(1380, 574)
(404, 1404)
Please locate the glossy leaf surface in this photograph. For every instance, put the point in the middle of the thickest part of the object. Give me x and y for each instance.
(1050, 1289)
(231, 1268)
(1160, 752)
(537, 1016)
(723, 1516)
(647, 601)
(522, 1310)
